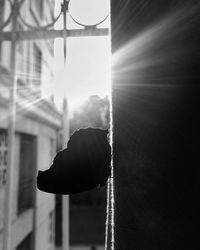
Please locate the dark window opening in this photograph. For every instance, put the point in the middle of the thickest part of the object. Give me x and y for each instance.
(37, 66)
(3, 156)
(51, 227)
(58, 220)
(27, 243)
(27, 170)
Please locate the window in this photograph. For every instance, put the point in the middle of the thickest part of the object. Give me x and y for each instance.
(52, 148)
(20, 51)
(1, 11)
(39, 4)
(37, 67)
(3, 156)
(51, 227)
(28, 62)
(1, 21)
(37, 10)
(27, 170)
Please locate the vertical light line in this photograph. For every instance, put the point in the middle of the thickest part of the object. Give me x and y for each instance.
(112, 200)
(109, 234)
(107, 215)
(111, 142)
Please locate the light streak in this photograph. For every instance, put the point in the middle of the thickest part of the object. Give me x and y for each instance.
(109, 234)
(153, 47)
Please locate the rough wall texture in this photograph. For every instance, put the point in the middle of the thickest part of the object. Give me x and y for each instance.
(156, 108)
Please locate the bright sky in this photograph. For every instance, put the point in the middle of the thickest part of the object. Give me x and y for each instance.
(87, 69)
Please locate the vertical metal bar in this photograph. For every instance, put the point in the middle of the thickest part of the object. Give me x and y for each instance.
(65, 9)
(65, 198)
(11, 137)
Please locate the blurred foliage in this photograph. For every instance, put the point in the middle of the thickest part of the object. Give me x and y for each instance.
(94, 112)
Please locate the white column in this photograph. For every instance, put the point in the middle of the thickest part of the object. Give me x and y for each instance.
(65, 198)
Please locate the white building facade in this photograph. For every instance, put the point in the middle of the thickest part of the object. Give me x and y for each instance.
(38, 123)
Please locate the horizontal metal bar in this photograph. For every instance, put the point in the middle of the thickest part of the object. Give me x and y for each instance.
(52, 34)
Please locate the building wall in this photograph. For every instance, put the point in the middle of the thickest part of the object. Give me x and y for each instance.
(41, 120)
(156, 124)
(37, 219)
(25, 49)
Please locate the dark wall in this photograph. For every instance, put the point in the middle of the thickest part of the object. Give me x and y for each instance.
(156, 109)
(87, 217)
(87, 225)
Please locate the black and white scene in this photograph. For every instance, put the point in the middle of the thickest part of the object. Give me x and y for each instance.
(99, 124)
